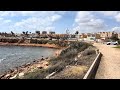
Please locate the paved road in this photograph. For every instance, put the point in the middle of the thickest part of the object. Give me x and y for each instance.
(109, 67)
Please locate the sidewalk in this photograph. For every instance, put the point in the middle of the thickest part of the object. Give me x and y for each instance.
(109, 67)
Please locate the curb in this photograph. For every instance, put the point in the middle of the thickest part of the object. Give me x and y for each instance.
(93, 68)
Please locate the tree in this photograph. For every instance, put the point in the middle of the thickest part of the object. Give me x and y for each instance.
(114, 37)
(38, 32)
(76, 32)
(12, 33)
(26, 33)
(23, 32)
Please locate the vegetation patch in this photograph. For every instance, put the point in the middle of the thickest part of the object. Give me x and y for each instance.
(117, 46)
(60, 64)
(72, 72)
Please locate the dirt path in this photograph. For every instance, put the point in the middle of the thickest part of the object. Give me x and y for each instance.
(109, 67)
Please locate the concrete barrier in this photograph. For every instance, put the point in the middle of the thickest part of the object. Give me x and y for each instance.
(93, 68)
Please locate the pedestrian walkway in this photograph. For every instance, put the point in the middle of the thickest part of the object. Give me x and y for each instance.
(109, 67)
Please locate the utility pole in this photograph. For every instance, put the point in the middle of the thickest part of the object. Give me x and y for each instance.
(68, 33)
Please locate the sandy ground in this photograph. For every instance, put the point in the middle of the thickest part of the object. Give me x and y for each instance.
(109, 67)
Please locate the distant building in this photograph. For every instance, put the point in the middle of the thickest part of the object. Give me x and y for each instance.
(51, 32)
(97, 36)
(37, 32)
(83, 35)
(107, 35)
(44, 32)
(90, 37)
(119, 35)
(72, 36)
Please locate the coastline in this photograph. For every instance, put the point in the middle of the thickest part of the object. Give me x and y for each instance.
(32, 45)
(23, 69)
(30, 67)
(20, 71)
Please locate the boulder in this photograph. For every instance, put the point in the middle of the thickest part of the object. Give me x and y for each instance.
(13, 76)
(7, 76)
(21, 74)
(1, 76)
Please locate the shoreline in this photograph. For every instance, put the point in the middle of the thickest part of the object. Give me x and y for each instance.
(23, 69)
(28, 67)
(32, 45)
(31, 66)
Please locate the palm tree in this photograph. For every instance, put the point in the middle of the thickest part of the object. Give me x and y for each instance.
(23, 32)
(12, 33)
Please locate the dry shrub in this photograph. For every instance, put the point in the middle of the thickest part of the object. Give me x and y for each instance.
(88, 52)
(72, 72)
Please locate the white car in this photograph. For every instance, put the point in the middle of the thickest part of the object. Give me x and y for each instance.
(112, 43)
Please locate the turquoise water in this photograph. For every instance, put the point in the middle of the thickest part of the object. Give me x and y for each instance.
(14, 56)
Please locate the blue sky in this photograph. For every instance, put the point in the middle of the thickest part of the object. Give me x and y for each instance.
(59, 21)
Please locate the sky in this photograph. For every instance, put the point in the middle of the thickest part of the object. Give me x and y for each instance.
(59, 21)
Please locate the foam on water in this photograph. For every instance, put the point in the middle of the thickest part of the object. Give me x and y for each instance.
(2, 59)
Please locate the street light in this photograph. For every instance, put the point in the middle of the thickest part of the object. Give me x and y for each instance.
(77, 34)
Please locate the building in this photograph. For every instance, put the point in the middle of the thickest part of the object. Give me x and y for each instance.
(51, 32)
(37, 32)
(119, 35)
(107, 35)
(83, 35)
(72, 36)
(103, 34)
(90, 37)
(97, 36)
(44, 32)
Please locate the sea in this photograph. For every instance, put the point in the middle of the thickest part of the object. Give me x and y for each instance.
(15, 56)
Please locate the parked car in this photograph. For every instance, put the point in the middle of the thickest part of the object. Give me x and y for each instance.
(112, 43)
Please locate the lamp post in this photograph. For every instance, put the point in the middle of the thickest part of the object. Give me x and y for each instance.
(77, 35)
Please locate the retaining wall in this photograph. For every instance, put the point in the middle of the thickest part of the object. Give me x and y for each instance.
(93, 68)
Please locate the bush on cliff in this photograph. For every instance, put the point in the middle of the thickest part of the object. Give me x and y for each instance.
(9, 40)
(67, 57)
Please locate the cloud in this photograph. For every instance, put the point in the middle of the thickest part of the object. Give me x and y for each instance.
(30, 13)
(4, 21)
(86, 21)
(109, 13)
(117, 17)
(112, 14)
(43, 22)
(83, 17)
(116, 29)
(29, 20)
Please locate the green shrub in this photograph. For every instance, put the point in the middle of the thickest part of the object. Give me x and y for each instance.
(119, 41)
(70, 53)
(67, 57)
(9, 40)
(56, 68)
(44, 41)
(33, 41)
(39, 74)
(88, 52)
(76, 46)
